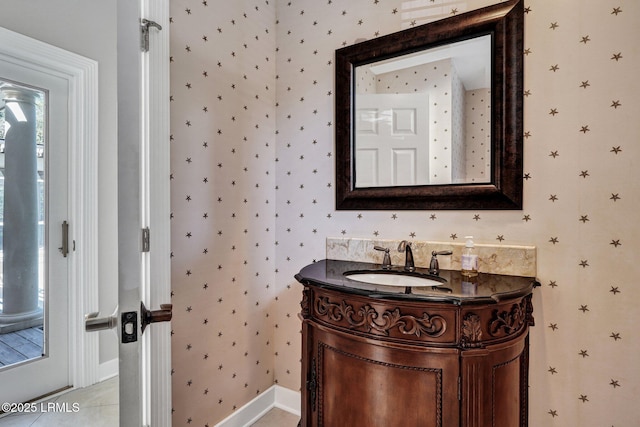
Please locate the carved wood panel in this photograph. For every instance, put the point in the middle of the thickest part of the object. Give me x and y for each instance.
(492, 323)
(404, 321)
(380, 389)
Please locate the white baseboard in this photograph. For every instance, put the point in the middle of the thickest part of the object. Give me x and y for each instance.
(274, 397)
(287, 400)
(108, 369)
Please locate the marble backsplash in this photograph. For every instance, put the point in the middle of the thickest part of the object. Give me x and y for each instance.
(496, 259)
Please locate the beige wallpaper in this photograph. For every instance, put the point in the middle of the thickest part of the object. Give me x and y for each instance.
(223, 205)
(477, 118)
(253, 195)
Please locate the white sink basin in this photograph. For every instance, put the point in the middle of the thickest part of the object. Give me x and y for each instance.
(393, 279)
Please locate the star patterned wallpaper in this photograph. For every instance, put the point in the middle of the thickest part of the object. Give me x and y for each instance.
(252, 188)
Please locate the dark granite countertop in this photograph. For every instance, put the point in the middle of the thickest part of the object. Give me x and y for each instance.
(484, 288)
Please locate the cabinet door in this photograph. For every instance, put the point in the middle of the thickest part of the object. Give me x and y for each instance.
(494, 385)
(360, 382)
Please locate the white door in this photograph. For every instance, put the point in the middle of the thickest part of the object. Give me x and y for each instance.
(143, 217)
(392, 140)
(143, 259)
(34, 307)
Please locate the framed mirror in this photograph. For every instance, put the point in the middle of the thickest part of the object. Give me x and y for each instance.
(431, 117)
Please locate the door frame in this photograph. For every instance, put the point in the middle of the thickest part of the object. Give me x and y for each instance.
(81, 73)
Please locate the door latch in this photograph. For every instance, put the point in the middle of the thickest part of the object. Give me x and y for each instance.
(144, 33)
(128, 321)
(129, 327)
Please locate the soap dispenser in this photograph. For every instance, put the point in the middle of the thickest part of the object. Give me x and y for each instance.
(469, 259)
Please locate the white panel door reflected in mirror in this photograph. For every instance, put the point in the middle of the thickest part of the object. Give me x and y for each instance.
(425, 118)
(392, 140)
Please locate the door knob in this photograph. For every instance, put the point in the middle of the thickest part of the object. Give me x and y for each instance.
(152, 316)
(94, 323)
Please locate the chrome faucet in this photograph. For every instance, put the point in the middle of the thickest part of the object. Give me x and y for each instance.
(405, 247)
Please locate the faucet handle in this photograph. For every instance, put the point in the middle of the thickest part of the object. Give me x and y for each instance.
(434, 267)
(386, 262)
(434, 253)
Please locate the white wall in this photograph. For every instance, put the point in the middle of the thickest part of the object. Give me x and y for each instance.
(87, 28)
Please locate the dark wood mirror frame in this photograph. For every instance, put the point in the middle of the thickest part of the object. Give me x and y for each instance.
(505, 22)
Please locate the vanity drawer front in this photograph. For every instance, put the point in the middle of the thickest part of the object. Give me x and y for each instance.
(398, 321)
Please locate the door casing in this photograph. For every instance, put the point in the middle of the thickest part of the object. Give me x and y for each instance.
(82, 76)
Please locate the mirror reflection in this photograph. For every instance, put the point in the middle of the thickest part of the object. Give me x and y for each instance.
(425, 118)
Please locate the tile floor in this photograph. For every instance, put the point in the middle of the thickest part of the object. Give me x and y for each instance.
(277, 418)
(97, 406)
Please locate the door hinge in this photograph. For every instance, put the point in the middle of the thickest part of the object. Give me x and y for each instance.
(144, 33)
(146, 245)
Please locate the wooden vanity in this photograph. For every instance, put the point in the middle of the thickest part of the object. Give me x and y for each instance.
(382, 356)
